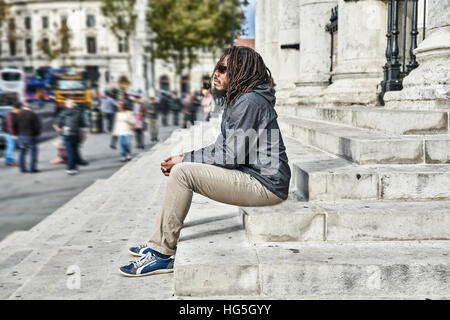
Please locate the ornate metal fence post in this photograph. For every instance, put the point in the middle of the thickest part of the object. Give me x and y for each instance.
(332, 28)
(394, 76)
(413, 63)
(394, 72)
(388, 54)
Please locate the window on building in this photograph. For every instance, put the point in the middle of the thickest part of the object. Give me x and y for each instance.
(12, 48)
(91, 45)
(27, 23)
(28, 47)
(122, 45)
(28, 70)
(185, 84)
(90, 21)
(164, 83)
(45, 22)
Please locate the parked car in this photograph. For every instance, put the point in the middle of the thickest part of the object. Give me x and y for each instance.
(7, 100)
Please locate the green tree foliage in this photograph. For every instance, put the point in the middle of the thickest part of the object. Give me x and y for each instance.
(181, 28)
(60, 46)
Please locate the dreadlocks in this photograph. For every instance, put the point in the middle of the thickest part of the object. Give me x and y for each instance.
(245, 71)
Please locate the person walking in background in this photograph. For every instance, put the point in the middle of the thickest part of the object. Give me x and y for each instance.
(139, 115)
(176, 106)
(109, 109)
(208, 104)
(115, 93)
(164, 108)
(189, 110)
(11, 136)
(28, 127)
(123, 129)
(69, 124)
(151, 110)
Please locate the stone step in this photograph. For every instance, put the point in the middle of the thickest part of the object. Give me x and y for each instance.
(367, 147)
(349, 220)
(398, 122)
(335, 180)
(213, 255)
(318, 175)
(399, 270)
(227, 265)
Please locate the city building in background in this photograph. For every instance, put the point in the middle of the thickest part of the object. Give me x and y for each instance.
(93, 48)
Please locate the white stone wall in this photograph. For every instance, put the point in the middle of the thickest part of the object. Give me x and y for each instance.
(289, 34)
(315, 42)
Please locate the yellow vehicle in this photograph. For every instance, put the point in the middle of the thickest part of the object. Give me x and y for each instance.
(72, 86)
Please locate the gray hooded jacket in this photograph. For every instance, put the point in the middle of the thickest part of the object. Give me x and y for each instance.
(250, 141)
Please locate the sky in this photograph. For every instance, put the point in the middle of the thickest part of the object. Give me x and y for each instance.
(249, 25)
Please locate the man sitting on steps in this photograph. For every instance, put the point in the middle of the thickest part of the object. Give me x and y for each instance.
(246, 166)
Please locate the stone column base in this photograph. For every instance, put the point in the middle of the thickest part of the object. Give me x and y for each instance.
(343, 92)
(428, 86)
(306, 93)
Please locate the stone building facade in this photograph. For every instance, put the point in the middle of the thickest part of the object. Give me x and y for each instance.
(93, 46)
(297, 48)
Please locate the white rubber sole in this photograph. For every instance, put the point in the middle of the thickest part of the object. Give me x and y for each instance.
(162, 271)
(134, 254)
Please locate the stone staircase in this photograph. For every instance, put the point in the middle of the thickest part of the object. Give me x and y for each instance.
(349, 230)
(368, 216)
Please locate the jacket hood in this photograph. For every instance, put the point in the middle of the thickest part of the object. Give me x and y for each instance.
(267, 92)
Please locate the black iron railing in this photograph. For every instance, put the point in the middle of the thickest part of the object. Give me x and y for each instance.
(332, 28)
(394, 71)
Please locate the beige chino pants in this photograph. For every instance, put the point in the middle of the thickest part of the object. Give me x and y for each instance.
(223, 185)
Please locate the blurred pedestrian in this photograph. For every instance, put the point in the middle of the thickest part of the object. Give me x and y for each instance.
(189, 110)
(109, 109)
(152, 115)
(176, 106)
(11, 136)
(61, 152)
(123, 128)
(28, 127)
(164, 105)
(139, 115)
(208, 104)
(70, 124)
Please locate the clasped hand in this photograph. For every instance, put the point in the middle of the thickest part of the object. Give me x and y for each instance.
(168, 163)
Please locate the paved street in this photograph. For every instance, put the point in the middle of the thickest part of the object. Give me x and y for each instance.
(26, 199)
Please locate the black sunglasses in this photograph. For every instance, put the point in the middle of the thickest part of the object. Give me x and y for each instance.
(222, 69)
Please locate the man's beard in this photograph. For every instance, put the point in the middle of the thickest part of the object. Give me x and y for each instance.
(218, 93)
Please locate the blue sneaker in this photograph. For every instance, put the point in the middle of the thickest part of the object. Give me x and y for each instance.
(148, 265)
(141, 250)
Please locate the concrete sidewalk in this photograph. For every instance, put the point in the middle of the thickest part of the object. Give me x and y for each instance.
(26, 199)
(76, 252)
